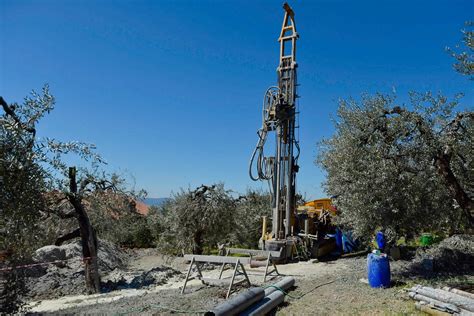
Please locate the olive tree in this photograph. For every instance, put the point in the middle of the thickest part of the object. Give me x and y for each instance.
(114, 216)
(404, 167)
(36, 182)
(22, 177)
(400, 167)
(193, 220)
(250, 209)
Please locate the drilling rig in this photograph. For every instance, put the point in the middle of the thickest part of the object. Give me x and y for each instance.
(279, 117)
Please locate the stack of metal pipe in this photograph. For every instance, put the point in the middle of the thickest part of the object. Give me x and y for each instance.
(255, 301)
(445, 301)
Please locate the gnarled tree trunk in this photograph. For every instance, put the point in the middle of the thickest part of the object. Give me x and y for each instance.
(198, 242)
(88, 237)
(442, 162)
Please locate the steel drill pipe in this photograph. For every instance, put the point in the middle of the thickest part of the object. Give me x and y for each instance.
(450, 308)
(274, 296)
(283, 284)
(238, 303)
(264, 306)
(459, 292)
(445, 296)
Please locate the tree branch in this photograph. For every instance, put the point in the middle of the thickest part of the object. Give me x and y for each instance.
(441, 156)
(74, 234)
(9, 110)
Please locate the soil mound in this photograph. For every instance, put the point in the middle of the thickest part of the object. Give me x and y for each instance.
(66, 275)
(453, 255)
(120, 279)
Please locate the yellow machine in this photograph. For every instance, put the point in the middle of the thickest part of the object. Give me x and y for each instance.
(320, 203)
(311, 222)
(316, 207)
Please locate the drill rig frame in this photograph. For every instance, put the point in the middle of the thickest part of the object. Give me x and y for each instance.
(279, 116)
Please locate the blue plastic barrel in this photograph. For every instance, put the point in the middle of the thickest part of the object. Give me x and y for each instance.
(378, 270)
(380, 238)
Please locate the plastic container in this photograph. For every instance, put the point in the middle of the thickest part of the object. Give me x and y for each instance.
(426, 239)
(380, 238)
(378, 270)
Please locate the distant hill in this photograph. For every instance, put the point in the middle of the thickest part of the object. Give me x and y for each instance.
(155, 201)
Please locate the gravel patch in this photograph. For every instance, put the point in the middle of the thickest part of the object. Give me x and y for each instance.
(452, 256)
(150, 284)
(67, 277)
(347, 295)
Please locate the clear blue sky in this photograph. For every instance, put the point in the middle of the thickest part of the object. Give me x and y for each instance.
(170, 91)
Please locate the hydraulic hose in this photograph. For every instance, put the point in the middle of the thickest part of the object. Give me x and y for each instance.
(264, 165)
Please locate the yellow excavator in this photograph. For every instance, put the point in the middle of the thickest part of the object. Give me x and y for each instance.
(316, 217)
(320, 210)
(311, 222)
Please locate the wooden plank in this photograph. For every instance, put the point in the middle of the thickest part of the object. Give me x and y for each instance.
(254, 252)
(221, 282)
(216, 259)
(257, 264)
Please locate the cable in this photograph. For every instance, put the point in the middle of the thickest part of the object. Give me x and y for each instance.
(264, 164)
(190, 311)
(298, 296)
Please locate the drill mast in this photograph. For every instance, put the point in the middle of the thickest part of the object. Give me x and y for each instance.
(279, 116)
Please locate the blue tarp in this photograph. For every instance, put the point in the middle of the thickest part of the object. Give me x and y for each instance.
(344, 241)
(348, 243)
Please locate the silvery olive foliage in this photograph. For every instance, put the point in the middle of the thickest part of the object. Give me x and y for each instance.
(34, 176)
(22, 187)
(193, 220)
(250, 209)
(200, 220)
(465, 59)
(114, 217)
(22, 176)
(383, 164)
(404, 168)
(37, 202)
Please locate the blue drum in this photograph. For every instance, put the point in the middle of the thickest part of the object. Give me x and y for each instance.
(378, 270)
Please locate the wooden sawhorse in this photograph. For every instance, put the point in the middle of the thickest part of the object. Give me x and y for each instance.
(270, 256)
(239, 269)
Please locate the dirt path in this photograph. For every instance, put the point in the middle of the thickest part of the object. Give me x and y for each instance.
(323, 288)
(347, 295)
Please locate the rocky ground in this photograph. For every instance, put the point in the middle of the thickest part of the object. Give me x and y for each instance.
(66, 276)
(147, 282)
(119, 269)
